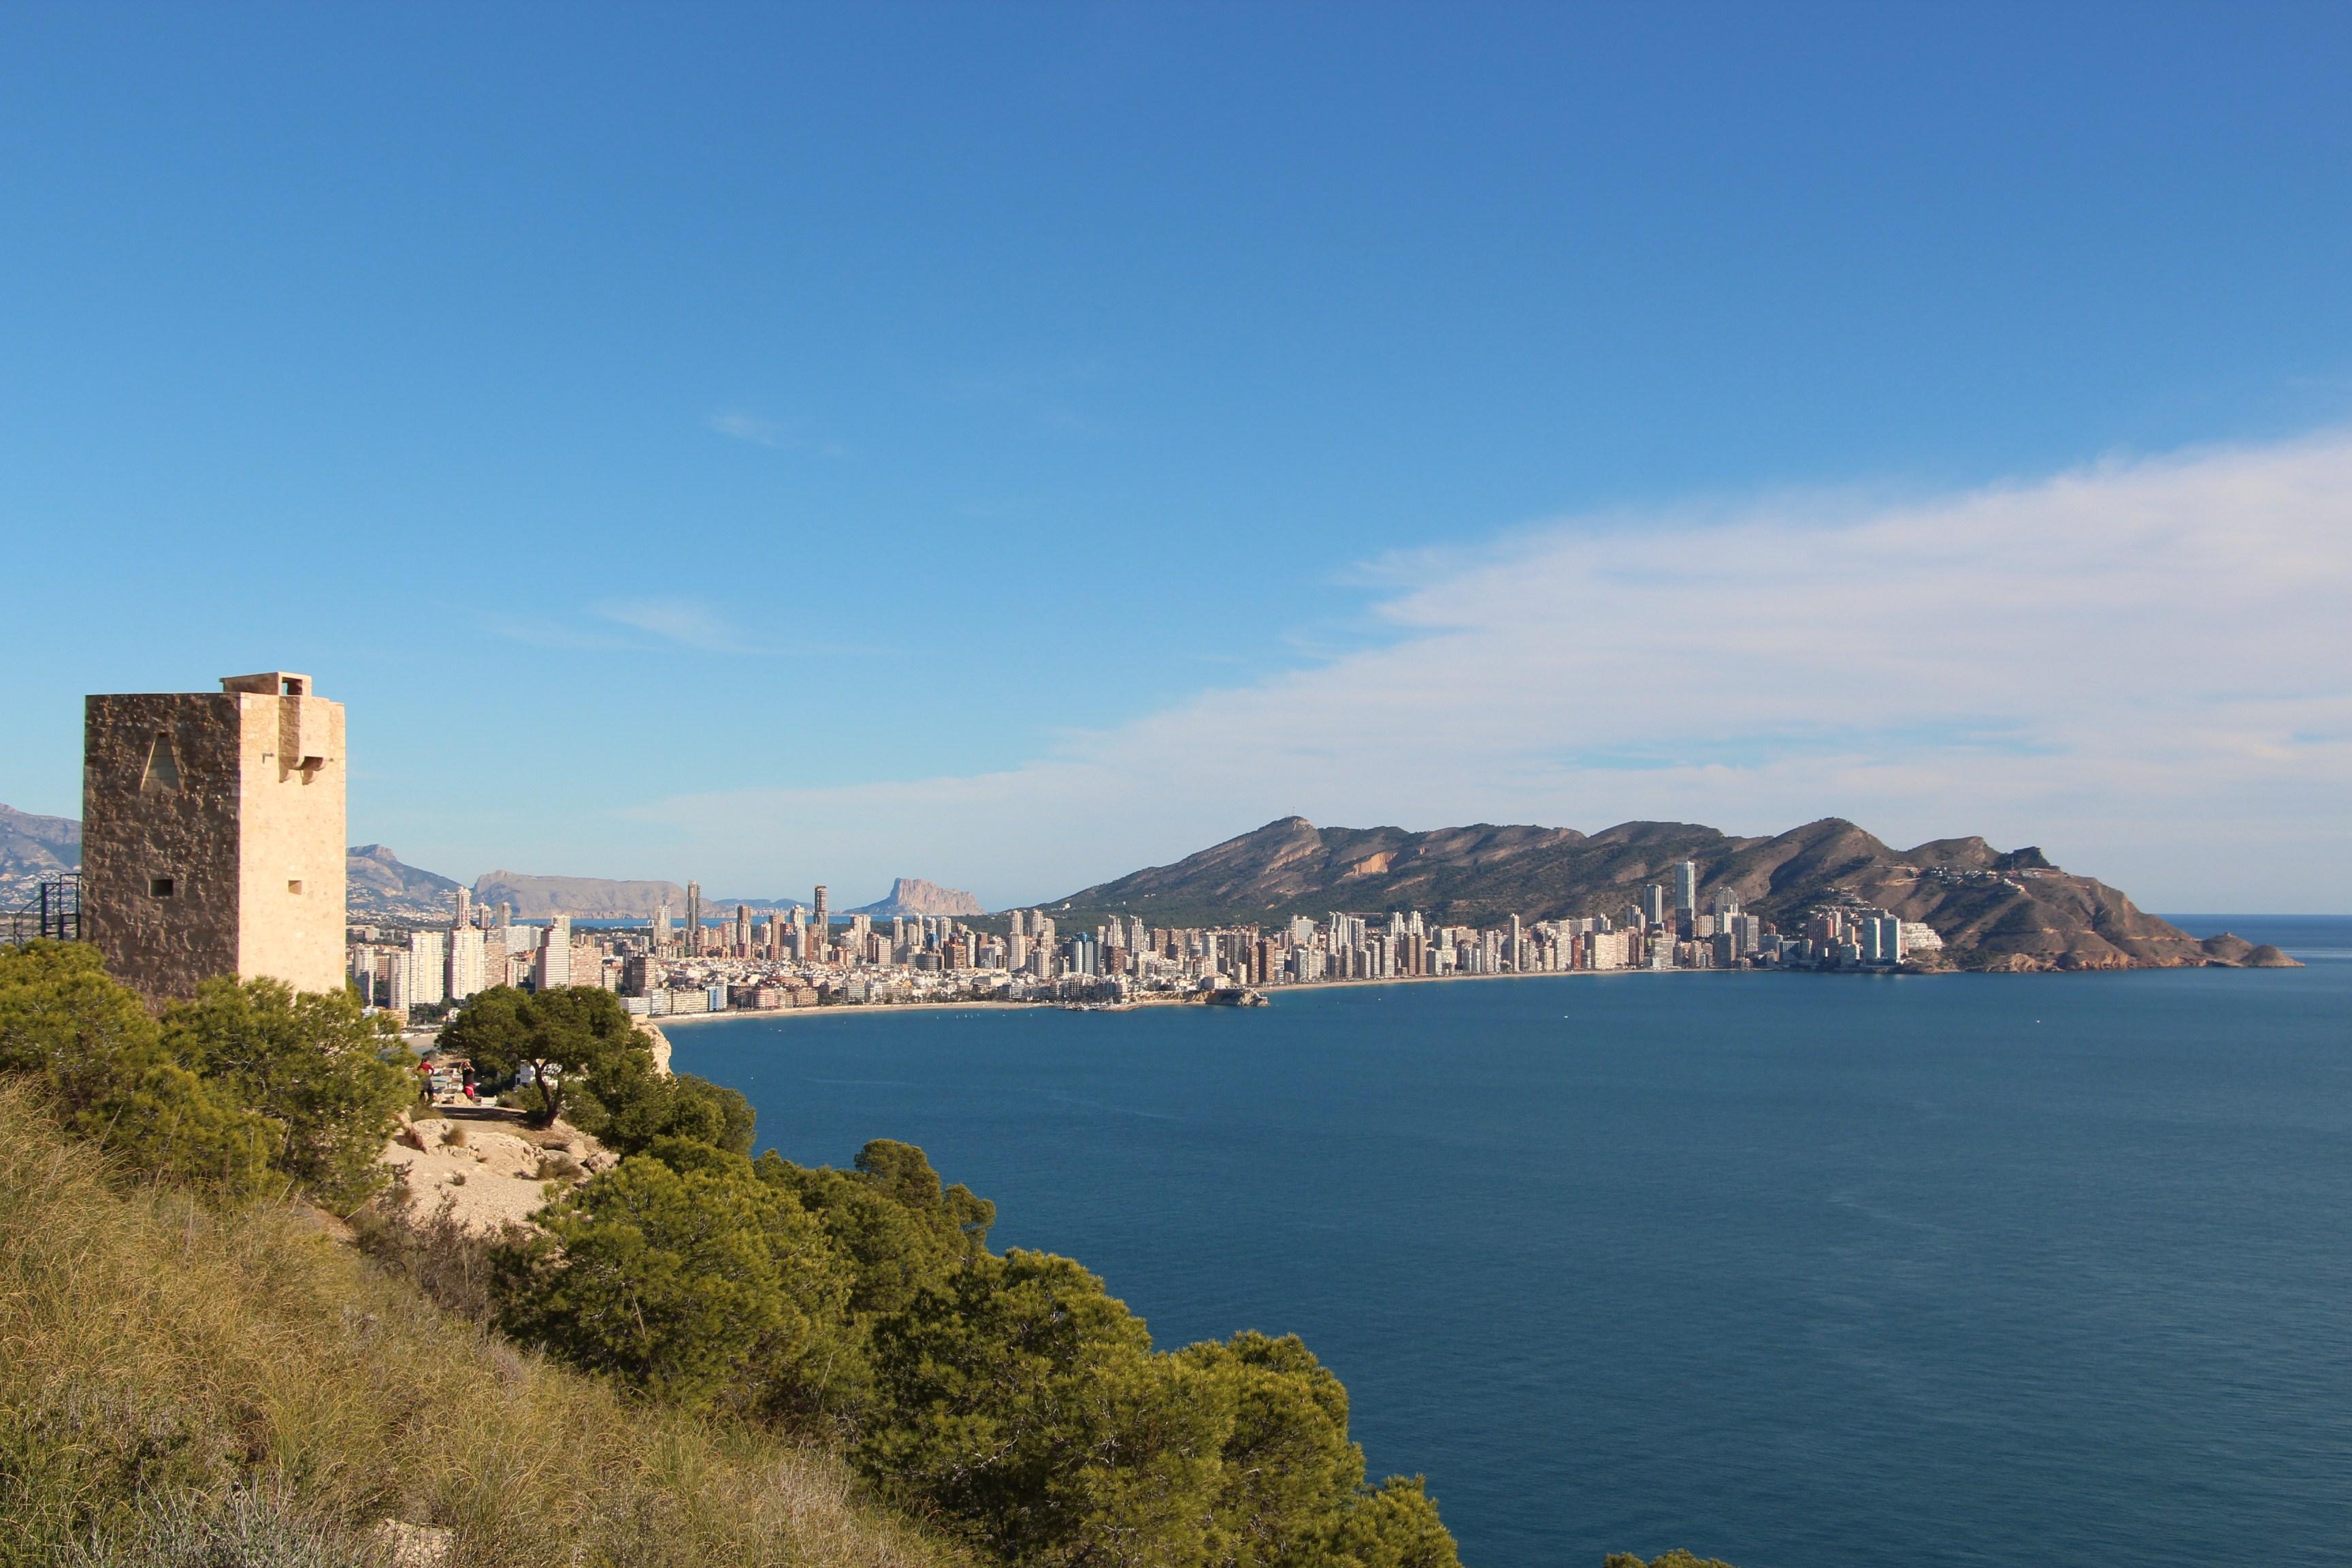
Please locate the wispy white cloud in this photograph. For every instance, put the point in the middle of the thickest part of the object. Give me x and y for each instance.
(775, 434)
(687, 623)
(2145, 665)
(750, 428)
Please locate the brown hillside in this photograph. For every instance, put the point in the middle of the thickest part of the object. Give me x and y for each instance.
(1994, 909)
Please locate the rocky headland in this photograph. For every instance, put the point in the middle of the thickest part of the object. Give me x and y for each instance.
(2009, 911)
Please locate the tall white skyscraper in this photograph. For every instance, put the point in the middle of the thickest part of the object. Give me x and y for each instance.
(1882, 938)
(428, 961)
(553, 971)
(1687, 885)
(470, 964)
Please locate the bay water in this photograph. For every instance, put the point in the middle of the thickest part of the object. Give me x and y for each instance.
(1787, 1269)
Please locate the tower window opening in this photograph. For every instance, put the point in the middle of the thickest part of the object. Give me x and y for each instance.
(159, 886)
(162, 770)
(294, 887)
(291, 688)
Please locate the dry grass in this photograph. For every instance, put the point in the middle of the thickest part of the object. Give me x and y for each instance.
(161, 1366)
(451, 1262)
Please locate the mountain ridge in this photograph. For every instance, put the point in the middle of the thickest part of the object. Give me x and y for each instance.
(31, 846)
(378, 885)
(1996, 910)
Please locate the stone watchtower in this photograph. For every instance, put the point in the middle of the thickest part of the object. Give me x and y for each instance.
(213, 834)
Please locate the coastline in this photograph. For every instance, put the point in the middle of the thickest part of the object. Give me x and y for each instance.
(667, 1020)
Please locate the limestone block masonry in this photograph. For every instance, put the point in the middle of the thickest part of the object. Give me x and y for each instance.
(213, 834)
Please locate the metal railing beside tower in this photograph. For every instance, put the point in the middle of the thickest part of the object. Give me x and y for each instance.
(54, 912)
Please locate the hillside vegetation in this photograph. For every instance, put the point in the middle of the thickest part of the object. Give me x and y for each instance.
(696, 1357)
(176, 1376)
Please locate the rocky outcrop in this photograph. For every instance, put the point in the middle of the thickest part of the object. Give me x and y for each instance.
(583, 898)
(1994, 909)
(913, 895)
(2236, 952)
(489, 1170)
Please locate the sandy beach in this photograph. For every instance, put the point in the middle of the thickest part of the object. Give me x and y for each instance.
(667, 1020)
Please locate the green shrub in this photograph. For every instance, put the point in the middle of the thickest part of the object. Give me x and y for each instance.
(1025, 1404)
(330, 1077)
(1288, 1473)
(900, 1226)
(1395, 1526)
(112, 1079)
(164, 1121)
(627, 1103)
(1011, 1399)
(561, 1036)
(699, 1286)
(165, 1359)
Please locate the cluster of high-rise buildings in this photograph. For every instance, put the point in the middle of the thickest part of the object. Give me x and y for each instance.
(806, 955)
(212, 828)
(425, 968)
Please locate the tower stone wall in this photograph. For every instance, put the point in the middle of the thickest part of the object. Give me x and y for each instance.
(213, 834)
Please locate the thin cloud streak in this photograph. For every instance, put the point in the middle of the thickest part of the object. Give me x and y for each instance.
(2143, 666)
(684, 622)
(750, 428)
(773, 434)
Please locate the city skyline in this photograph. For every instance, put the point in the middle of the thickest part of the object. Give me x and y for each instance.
(991, 458)
(796, 957)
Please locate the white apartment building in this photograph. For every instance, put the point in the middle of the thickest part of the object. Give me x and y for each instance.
(428, 968)
(469, 962)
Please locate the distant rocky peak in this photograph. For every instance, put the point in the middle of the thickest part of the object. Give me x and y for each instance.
(919, 896)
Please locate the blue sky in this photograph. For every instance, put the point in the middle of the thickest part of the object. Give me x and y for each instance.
(765, 444)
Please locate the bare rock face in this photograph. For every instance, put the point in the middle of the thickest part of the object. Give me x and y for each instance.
(583, 898)
(913, 895)
(438, 1163)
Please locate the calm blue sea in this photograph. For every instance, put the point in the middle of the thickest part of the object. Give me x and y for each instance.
(1795, 1270)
